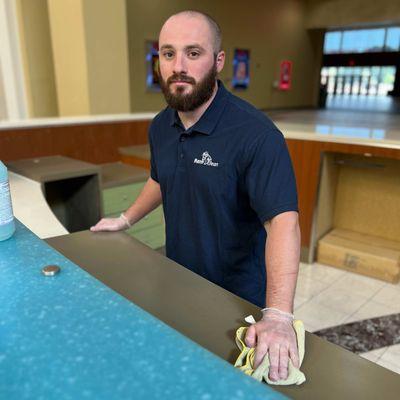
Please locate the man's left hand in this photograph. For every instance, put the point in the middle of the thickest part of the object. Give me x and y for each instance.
(275, 337)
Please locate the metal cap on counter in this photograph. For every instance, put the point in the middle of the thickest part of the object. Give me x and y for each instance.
(51, 270)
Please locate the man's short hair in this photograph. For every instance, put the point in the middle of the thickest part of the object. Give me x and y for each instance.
(212, 23)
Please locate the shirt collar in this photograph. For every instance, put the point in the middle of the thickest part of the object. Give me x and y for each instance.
(210, 117)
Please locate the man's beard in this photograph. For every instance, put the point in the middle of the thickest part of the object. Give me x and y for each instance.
(202, 90)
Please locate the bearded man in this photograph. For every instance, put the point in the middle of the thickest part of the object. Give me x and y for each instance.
(222, 171)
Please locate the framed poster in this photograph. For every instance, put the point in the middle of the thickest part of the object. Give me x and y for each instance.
(285, 76)
(241, 66)
(152, 60)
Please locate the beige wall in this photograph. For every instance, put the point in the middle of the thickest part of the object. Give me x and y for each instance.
(88, 56)
(89, 42)
(336, 13)
(3, 105)
(37, 58)
(107, 56)
(272, 30)
(69, 48)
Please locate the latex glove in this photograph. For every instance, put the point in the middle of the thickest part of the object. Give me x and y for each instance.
(275, 337)
(110, 225)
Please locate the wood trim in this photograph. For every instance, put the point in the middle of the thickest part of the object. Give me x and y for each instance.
(96, 143)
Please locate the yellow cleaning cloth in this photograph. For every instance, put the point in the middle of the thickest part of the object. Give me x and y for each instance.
(245, 361)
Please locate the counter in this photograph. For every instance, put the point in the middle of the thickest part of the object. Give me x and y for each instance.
(30, 206)
(337, 134)
(99, 140)
(71, 188)
(71, 337)
(146, 279)
(209, 315)
(117, 174)
(74, 120)
(28, 190)
(346, 132)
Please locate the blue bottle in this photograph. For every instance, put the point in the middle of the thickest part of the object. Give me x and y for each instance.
(7, 224)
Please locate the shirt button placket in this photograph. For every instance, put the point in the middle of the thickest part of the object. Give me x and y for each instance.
(182, 155)
(182, 142)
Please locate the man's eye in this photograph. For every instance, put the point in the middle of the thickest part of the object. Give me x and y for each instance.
(194, 54)
(168, 54)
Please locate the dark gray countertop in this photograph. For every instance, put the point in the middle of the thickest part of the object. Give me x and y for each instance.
(139, 151)
(209, 315)
(118, 173)
(52, 168)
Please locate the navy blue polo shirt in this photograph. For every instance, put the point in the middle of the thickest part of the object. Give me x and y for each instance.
(221, 180)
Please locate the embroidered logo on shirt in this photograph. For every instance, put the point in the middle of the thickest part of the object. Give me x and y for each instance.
(206, 159)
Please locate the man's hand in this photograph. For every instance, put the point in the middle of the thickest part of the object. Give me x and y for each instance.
(110, 225)
(275, 337)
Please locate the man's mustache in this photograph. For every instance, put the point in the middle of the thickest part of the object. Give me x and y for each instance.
(180, 78)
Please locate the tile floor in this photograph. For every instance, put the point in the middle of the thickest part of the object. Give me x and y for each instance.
(328, 296)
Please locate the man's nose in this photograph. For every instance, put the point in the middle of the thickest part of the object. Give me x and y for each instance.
(180, 64)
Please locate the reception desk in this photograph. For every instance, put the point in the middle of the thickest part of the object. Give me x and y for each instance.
(133, 276)
(115, 323)
(124, 137)
(210, 315)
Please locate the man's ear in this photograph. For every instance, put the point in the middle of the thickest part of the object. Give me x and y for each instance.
(220, 61)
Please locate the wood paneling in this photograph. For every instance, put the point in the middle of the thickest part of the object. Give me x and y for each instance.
(306, 158)
(96, 143)
(135, 161)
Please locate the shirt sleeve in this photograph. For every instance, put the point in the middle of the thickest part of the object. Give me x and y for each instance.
(153, 162)
(269, 178)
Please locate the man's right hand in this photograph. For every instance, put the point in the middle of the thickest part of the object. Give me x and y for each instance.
(109, 225)
(148, 199)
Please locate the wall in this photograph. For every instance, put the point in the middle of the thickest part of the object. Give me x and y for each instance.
(3, 105)
(337, 13)
(273, 31)
(107, 56)
(88, 56)
(89, 42)
(69, 49)
(11, 62)
(37, 58)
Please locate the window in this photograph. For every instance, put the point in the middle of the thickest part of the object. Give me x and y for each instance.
(393, 39)
(332, 42)
(362, 40)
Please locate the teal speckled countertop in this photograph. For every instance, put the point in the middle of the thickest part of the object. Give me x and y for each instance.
(71, 337)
